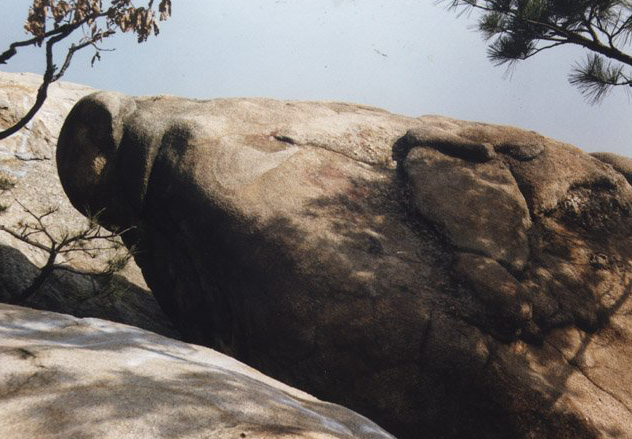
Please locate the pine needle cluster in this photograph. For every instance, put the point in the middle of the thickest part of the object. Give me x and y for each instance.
(519, 29)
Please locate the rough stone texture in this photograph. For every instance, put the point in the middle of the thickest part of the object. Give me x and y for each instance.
(26, 158)
(619, 163)
(444, 278)
(38, 139)
(63, 377)
(478, 205)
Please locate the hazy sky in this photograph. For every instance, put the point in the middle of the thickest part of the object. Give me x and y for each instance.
(409, 57)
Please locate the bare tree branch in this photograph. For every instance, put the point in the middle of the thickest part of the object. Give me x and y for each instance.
(68, 16)
(91, 240)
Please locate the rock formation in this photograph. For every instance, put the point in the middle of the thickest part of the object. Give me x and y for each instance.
(64, 377)
(619, 163)
(27, 159)
(444, 278)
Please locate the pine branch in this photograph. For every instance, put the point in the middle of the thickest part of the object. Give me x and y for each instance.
(519, 29)
(596, 77)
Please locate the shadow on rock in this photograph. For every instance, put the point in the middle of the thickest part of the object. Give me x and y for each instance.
(92, 378)
(477, 286)
(91, 295)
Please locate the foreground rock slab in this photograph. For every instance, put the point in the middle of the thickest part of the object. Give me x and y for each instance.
(444, 278)
(63, 377)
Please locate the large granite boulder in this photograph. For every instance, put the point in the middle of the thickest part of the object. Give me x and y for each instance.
(63, 377)
(444, 278)
(27, 160)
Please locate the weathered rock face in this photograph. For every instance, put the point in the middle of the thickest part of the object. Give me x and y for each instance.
(444, 278)
(27, 158)
(64, 377)
(38, 140)
(619, 163)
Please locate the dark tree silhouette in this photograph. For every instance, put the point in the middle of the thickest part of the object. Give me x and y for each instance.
(519, 29)
(89, 22)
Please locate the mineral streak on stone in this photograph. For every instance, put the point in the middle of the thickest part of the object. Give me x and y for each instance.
(445, 278)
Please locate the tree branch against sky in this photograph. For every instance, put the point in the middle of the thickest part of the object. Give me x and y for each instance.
(82, 24)
(519, 29)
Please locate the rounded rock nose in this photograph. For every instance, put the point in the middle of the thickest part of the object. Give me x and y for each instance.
(87, 149)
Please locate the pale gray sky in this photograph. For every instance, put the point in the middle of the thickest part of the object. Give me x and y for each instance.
(408, 56)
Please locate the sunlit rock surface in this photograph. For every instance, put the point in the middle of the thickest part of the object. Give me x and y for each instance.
(63, 377)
